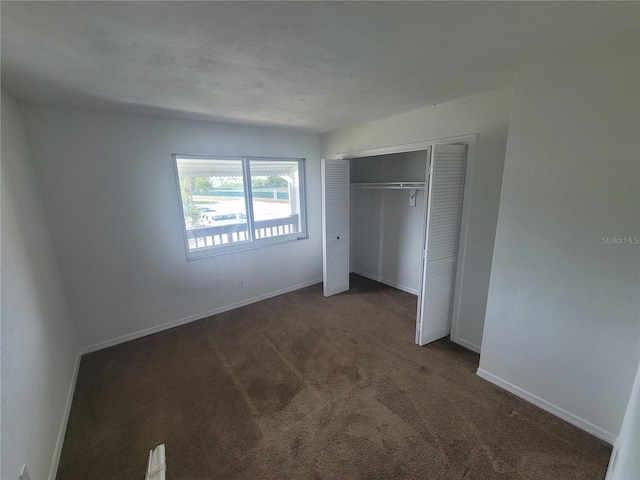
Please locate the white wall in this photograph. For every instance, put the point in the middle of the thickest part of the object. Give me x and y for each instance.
(485, 114)
(562, 325)
(386, 233)
(625, 461)
(39, 342)
(109, 187)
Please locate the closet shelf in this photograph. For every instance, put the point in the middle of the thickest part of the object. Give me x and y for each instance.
(391, 185)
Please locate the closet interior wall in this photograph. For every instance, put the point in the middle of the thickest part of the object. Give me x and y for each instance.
(387, 233)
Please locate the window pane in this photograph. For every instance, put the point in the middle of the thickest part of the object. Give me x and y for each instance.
(215, 198)
(275, 188)
(213, 201)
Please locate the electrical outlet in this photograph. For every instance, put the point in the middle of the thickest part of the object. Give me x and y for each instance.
(240, 284)
(24, 474)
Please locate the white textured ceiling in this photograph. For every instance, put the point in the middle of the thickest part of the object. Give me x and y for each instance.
(318, 66)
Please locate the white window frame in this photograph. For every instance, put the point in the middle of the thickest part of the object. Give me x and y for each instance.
(252, 242)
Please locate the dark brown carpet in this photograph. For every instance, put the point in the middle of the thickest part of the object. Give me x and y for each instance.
(306, 387)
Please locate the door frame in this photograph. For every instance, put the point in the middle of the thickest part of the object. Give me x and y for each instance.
(470, 142)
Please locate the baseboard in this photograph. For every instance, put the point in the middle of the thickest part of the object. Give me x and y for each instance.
(65, 419)
(581, 423)
(612, 460)
(468, 345)
(192, 318)
(376, 278)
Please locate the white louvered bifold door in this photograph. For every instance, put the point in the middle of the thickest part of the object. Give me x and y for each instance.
(444, 213)
(335, 226)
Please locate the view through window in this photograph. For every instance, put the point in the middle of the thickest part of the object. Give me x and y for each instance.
(232, 203)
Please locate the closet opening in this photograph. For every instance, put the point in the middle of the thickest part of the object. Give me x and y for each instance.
(387, 218)
(399, 217)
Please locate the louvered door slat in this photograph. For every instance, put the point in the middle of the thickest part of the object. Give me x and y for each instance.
(335, 226)
(444, 214)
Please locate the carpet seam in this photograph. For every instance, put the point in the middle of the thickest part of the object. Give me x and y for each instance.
(243, 392)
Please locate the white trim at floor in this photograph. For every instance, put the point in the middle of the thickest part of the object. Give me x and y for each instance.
(378, 279)
(55, 461)
(549, 407)
(468, 345)
(192, 318)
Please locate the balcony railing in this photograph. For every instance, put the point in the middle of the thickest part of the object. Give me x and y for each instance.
(238, 232)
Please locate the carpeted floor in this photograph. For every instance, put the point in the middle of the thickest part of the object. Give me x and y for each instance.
(306, 387)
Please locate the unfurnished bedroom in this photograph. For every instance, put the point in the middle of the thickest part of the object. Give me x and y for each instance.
(320, 240)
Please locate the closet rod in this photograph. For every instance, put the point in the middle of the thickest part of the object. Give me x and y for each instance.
(391, 185)
(413, 188)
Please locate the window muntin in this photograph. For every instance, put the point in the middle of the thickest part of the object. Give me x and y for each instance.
(236, 203)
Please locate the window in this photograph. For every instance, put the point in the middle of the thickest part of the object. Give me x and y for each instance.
(233, 203)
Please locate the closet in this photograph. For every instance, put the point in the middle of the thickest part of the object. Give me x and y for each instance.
(396, 218)
(387, 218)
